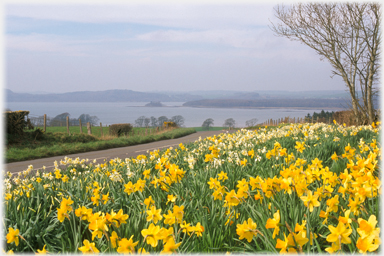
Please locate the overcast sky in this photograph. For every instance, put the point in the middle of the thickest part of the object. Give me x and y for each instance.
(155, 47)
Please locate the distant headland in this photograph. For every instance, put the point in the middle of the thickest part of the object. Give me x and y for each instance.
(154, 104)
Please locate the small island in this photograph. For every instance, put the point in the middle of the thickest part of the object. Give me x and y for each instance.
(154, 104)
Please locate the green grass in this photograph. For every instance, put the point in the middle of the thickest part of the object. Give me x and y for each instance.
(59, 143)
(199, 129)
(95, 130)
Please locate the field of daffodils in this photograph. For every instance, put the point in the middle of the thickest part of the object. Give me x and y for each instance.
(302, 188)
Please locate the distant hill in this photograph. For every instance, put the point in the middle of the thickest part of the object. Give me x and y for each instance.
(268, 103)
(99, 96)
(209, 98)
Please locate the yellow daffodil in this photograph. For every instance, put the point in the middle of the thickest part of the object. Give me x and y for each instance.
(154, 214)
(310, 200)
(169, 218)
(114, 238)
(340, 232)
(88, 247)
(171, 199)
(13, 236)
(274, 223)
(170, 247)
(151, 234)
(246, 230)
(127, 246)
(149, 201)
(43, 251)
(199, 229)
(223, 176)
(178, 212)
(367, 228)
(369, 243)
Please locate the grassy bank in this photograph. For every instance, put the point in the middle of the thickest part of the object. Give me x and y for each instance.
(199, 129)
(96, 131)
(59, 143)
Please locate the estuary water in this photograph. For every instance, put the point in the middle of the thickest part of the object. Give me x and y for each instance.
(127, 112)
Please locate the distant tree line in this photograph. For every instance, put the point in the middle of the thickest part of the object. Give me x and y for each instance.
(321, 115)
(229, 123)
(152, 121)
(61, 120)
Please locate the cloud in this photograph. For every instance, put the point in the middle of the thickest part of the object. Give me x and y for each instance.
(234, 38)
(46, 43)
(167, 15)
(257, 43)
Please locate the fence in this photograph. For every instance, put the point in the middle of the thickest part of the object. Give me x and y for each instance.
(44, 122)
(285, 120)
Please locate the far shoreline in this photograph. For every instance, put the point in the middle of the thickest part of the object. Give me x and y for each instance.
(260, 108)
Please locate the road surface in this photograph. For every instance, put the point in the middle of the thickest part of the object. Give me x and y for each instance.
(101, 155)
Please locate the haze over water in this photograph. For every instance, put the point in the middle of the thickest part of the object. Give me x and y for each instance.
(127, 112)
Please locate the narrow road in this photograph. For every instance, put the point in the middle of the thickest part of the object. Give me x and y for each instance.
(106, 155)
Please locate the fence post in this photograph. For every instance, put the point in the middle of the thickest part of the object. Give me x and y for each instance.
(68, 125)
(45, 122)
(89, 128)
(81, 127)
(101, 130)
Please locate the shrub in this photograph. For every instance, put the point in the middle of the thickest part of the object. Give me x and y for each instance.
(38, 134)
(346, 117)
(16, 121)
(170, 124)
(120, 129)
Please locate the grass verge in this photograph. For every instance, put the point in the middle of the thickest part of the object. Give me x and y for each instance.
(199, 129)
(55, 144)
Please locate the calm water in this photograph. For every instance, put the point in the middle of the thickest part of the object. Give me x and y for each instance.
(128, 112)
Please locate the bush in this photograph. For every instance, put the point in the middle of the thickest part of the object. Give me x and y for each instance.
(170, 124)
(120, 129)
(346, 117)
(38, 134)
(16, 121)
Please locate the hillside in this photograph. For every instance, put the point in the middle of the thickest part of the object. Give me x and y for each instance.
(99, 96)
(268, 103)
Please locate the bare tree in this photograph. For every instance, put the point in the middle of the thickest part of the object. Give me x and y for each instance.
(207, 123)
(161, 120)
(348, 35)
(251, 122)
(178, 120)
(146, 121)
(230, 122)
(139, 122)
(153, 121)
(85, 118)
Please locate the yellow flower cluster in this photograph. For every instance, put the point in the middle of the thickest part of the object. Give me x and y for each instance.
(290, 189)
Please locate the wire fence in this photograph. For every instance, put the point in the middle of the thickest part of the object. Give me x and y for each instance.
(39, 121)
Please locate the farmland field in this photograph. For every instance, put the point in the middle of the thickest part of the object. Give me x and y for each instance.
(311, 188)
